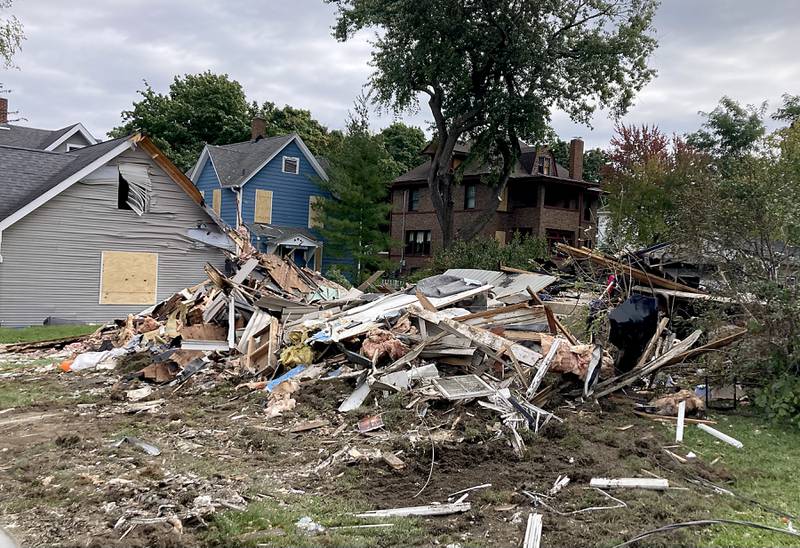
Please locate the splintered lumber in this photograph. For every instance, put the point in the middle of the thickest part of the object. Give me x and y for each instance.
(639, 275)
(687, 420)
(429, 510)
(480, 337)
(652, 344)
(370, 281)
(657, 484)
(544, 365)
(682, 294)
(667, 358)
(713, 345)
(720, 436)
(533, 531)
(554, 323)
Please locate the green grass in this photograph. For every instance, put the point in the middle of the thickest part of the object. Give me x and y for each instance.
(271, 522)
(765, 469)
(10, 335)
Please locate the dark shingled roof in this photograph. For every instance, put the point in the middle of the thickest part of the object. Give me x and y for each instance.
(523, 168)
(28, 173)
(29, 137)
(235, 162)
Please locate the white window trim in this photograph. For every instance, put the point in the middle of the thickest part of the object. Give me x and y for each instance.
(71, 147)
(77, 128)
(297, 165)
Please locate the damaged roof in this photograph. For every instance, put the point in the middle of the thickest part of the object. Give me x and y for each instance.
(28, 173)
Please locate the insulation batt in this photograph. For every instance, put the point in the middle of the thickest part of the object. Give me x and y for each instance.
(668, 405)
(379, 343)
(575, 358)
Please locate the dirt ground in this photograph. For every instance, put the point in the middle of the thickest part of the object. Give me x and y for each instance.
(233, 477)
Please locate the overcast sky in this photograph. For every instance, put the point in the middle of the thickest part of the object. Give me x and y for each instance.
(83, 61)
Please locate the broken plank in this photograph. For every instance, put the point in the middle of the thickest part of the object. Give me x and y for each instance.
(393, 460)
(479, 336)
(533, 531)
(429, 510)
(371, 280)
(652, 343)
(544, 365)
(687, 420)
(656, 484)
(308, 425)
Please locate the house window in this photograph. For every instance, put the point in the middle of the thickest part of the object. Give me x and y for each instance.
(562, 197)
(418, 242)
(216, 200)
(413, 199)
(470, 192)
(291, 165)
(544, 165)
(71, 147)
(314, 212)
(263, 209)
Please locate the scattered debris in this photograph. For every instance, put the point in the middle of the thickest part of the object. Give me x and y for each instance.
(657, 484)
(430, 510)
(533, 531)
(720, 436)
(148, 448)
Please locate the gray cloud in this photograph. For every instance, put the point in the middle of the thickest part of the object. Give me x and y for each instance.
(84, 61)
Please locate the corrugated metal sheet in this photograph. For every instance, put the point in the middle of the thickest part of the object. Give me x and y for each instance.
(506, 284)
(51, 258)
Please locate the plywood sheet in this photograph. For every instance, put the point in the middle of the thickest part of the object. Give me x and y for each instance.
(128, 277)
(263, 213)
(216, 200)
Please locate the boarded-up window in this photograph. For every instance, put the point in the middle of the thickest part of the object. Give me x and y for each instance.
(503, 205)
(263, 213)
(314, 213)
(318, 259)
(500, 236)
(216, 200)
(128, 278)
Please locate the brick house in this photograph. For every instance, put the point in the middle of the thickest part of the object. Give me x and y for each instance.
(542, 198)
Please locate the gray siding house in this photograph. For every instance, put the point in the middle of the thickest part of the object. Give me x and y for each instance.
(98, 232)
(56, 140)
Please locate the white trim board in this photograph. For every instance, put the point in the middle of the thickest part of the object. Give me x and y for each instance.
(198, 167)
(65, 184)
(77, 128)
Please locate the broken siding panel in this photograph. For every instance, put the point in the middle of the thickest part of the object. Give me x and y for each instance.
(51, 258)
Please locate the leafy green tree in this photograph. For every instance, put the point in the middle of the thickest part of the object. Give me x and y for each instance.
(11, 35)
(354, 218)
(493, 71)
(288, 119)
(211, 108)
(789, 111)
(730, 130)
(404, 144)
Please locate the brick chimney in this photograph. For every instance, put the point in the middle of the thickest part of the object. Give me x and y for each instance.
(3, 110)
(576, 159)
(258, 128)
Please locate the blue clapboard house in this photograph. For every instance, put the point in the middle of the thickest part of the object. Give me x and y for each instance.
(267, 184)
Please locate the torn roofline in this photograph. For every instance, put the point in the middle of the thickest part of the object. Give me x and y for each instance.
(136, 140)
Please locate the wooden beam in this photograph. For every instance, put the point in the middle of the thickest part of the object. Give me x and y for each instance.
(657, 484)
(480, 337)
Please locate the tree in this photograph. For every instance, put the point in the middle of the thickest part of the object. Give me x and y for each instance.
(211, 108)
(645, 178)
(11, 35)
(730, 130)
(789, 111)
(288, 119)
(355, 216)
(493, 71)
(404, 144)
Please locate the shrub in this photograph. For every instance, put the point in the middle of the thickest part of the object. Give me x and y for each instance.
(523, 252)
